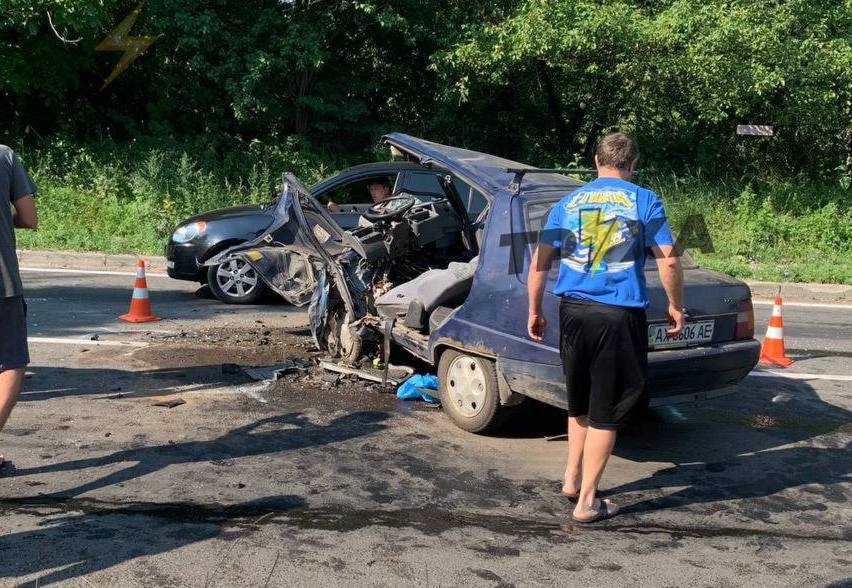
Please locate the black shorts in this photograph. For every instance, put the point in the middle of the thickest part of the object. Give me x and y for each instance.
(604, 353)
(13, 333)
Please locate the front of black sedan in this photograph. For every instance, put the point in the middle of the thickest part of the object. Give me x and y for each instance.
(198, 238)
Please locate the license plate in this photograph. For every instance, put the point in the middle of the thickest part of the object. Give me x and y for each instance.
(692, 334)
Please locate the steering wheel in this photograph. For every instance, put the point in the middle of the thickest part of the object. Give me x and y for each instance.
(390, 208)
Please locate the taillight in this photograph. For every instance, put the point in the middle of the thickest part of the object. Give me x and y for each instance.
(745, 320)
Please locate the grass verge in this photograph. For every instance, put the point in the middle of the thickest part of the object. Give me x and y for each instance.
(127, 198)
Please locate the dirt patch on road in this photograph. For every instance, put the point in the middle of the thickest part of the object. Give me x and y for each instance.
(258, 345)
(211, 360)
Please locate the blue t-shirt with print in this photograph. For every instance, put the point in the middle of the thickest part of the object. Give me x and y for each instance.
(602, 230)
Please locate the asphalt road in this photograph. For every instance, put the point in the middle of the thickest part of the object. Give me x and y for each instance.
(302, 484)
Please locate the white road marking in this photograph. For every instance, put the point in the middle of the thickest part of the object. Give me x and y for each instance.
(58, 270)
(88, 342)
(800, 376)
(805, 304)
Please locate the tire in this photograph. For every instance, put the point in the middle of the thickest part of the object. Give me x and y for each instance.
(242, 287)
(340, 343)
(469, 394)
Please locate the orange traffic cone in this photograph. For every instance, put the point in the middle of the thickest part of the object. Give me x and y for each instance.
(772, 352)
(140, 305)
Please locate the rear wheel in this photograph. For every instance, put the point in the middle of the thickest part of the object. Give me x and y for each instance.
(469, 392)
(235, 282)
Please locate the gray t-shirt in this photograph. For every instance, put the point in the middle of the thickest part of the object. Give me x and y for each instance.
(14, 183)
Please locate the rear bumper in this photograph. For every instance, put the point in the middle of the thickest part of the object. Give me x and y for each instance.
(684, 375)
(181, 261)
(675, 375)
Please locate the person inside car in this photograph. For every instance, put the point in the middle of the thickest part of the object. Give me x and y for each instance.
(379, 189)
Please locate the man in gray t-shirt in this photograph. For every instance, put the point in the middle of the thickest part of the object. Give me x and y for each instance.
(17, 210)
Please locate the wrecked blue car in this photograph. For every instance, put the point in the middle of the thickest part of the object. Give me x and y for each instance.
(442, 274)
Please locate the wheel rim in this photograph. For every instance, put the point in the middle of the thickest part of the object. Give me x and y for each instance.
(466, 386)
(236, 278)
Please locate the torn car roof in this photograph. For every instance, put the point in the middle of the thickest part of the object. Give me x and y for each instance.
(488, 172)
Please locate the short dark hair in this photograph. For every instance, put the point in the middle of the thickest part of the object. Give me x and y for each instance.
(381, 181)
(617, 150)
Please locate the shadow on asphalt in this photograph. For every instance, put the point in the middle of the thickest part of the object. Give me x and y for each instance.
(105, 535)
(110, 534)
(735, 448)
(60, 382)
(732, 448)
(269, 435)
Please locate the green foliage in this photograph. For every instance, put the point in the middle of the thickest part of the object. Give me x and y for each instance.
(532, 79)
(768, 230)
(680, 74)
(233, 93)
(128, 198)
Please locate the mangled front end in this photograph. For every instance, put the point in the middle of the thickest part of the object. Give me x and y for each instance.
(281, 256)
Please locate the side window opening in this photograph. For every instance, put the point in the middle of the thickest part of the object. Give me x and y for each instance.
(422, 183)
(474, 202)
(355, 193)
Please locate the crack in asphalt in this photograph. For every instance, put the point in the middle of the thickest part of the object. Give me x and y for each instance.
(290, 510)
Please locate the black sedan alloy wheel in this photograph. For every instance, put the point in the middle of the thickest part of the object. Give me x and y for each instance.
(235, 282)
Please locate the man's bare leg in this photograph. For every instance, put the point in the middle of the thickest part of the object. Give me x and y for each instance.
(577, 427)
(596, 452)
(10, 388)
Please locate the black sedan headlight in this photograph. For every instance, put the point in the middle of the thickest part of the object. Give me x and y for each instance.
(187, 233)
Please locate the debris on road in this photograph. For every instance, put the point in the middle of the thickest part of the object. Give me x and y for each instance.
(275, 371)
(170, 403)
(330, 377)
(396, 373)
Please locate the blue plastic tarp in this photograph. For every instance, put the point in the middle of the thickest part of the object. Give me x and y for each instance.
(415, 387)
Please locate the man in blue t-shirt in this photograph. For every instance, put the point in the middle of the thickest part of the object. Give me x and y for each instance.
(600, 233)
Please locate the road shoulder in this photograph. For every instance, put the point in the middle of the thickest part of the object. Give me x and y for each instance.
(87, 261)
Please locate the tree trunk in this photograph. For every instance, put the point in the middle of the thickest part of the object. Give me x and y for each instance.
(301, 118)
(508, 140)
(554, 106)
(849, 151)
(576, 121)
(591, 140)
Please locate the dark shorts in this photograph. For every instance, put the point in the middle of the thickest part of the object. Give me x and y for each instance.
(604, 353)
(13, 333)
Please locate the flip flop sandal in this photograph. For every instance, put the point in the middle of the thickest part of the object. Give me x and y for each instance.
(602, 514)
(573, 498)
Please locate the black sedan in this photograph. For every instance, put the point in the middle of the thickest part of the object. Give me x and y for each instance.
(197, 239)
